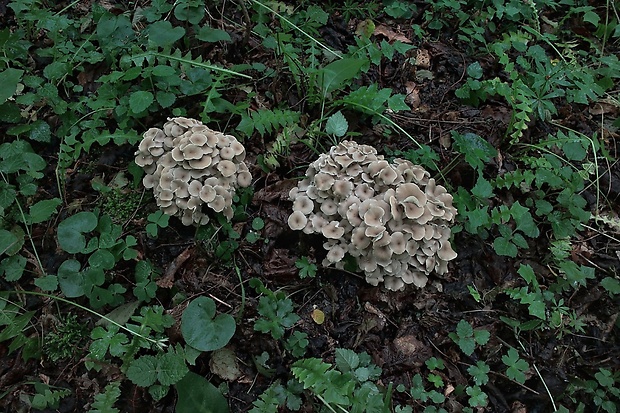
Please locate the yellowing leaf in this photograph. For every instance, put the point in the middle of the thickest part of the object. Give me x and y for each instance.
(318, 316)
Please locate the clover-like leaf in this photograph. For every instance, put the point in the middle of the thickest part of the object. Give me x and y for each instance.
(71, 231)
(202, 329)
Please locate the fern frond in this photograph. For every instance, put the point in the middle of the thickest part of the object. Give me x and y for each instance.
(266, 121)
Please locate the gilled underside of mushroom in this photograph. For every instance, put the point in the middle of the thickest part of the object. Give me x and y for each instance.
(392, 218)
(192, 169)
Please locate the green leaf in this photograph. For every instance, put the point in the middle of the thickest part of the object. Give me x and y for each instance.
(171, 368)
(346, 360)
(503, 246)
(9, 242)
(105, 401)
(13, 267)
(202, 330)
(474, 70)
(71, 279)
(143, 371)
(40, 131)
(611, 285)
(47, 283)
(140, 101)
(337, 125)
(162, 34)
(9, 79)
(71, 231)
(477, 150)
(197, 395)
(335, 74)
(43, 210)
(210, 35)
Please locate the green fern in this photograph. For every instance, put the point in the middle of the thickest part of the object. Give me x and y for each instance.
(266, 121)
(104, 402)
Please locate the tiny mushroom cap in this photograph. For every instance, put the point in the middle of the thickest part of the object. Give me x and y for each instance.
(342, 188)
(374, 232)
(202, 163)
(179, 188)
(166, 195)
(227, 153)
(198, 139)
(323, 181)
(167, 160)
(143, 160)
(218, 203)
(193, 203)
(359, 239)
(207, 193)
(244, 179)
(335, 253)
(237, 147)
(373, 216)
(393, 283)
(364, 191)
(398, 242)
(329, 207)
(446, 252)
(177, 154)
(318, 222)
(333, 230)
(150, 181)
(212, 138)
(181, 174)
(414, 277)
(388, 175)
(194, 188)
(303, 204)
(226, 168)
(297, 220)
(192, 152)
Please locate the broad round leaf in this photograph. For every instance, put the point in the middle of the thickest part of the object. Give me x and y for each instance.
(71, 231)
(139, 101)
(197, 395)
(202, 330)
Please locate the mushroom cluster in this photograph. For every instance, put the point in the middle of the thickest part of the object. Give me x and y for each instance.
(190, 166)
(393, 218)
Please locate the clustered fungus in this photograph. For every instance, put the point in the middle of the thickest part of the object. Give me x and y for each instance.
(392, 218)
(190, 166)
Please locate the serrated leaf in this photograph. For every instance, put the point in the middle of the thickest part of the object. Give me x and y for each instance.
(197, 395)
(9, 242)
(140, 101)
(105, 401)
(477, 150)
(204, 331)
(503, 246)
(337, 125)
(40, 131)
(9, 79)
(474, 70)
(143, 371)
(171, 368)
(43, 210)
(347, 360)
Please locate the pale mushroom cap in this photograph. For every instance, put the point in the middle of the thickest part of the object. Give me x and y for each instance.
(333, 230)
(446, 252)
(149, 181)
(244, 179)
(227, 153)
(218, 203)
(303, 204)
(194, 188)
(226, 168)
(335, 254)
(297, 220)
(373, 216)
(198, 139)
(329, 207)
(207, 193)
(323, 181)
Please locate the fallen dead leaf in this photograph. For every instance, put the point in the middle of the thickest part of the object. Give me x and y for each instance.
(413, 97)
(382, 30)
(423, 59)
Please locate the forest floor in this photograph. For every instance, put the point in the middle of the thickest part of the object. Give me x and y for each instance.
(553, 342)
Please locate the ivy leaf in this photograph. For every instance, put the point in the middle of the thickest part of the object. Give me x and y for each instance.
(71, 231)
(337, 125)
(202, 330)
(43, 210)
(139, 101)
(143, 371)
(162, 34)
